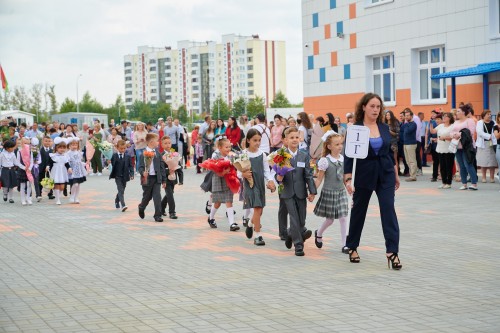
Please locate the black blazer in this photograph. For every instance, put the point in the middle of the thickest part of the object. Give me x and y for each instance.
(45, 159)
(121, 167)
(374, 170)
(299, 180)
(158, 166)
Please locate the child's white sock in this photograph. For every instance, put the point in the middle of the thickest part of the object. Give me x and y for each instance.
(73, 193)
(210, 200)
(77, 192)
(343, 229)
(28, 192)
(248, 213)
(57, 193)
(230, 215)
(9, 194)
(256, 234)
(213, 210)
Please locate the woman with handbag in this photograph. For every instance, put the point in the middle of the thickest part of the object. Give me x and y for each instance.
(446, 157)
(484, 143)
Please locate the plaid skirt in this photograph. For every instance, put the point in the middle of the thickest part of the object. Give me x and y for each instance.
(222, 196)
(332, 204)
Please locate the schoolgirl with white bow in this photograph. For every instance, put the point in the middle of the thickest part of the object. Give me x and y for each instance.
(59, 167)
(333, 201)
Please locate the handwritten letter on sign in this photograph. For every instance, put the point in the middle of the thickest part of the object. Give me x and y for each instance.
(357, 141)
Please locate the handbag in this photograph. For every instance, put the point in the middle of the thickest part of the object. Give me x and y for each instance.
(452, 148)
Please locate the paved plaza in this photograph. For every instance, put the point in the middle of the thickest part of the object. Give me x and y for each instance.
(92, 268)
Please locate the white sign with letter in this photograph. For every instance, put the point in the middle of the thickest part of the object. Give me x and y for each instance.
(357, 143)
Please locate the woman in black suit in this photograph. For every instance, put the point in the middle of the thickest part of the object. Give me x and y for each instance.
(377, 172)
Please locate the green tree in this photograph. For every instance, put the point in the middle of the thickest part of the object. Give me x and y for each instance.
(220, 109)
(19, 99)
(239, 107)
(68, 106)
(280, 101)
(36, 98)
(182, 114)
(163, 110)
(256, 106)
(52, 97)
(89, 104)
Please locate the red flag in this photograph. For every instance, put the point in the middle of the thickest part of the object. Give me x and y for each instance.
(5, 84)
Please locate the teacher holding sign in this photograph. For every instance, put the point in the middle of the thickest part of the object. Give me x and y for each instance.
(377, 172)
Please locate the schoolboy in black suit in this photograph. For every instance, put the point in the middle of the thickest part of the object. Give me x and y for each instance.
(122, 171)
(45, 150)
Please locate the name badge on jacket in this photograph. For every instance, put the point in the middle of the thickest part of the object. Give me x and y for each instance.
(301, 164)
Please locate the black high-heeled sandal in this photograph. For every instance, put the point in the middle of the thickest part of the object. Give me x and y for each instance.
(319, 245)
(353, 259)
(392, 260)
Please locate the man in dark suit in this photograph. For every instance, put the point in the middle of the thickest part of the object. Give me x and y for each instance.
(296, 184)
(153, 178)
(45, 150)
(122, 171)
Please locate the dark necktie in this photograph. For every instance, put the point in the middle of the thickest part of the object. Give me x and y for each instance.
(121, 156)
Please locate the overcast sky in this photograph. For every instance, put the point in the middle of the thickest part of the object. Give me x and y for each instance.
(55, 40)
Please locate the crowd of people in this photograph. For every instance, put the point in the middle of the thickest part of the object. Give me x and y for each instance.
(455, 140)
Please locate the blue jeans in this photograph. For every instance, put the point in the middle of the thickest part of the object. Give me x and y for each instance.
(466, 168)
(138, 156)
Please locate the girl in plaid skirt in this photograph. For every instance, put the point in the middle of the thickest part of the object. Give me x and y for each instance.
(333, 201)
(221, 192)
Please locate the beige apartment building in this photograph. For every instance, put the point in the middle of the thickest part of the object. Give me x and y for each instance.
(196, 73)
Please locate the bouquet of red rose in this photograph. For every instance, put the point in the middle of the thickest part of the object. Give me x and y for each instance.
(223, 168)
(148, 159)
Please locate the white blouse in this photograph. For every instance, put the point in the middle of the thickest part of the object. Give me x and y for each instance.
(268, 173)
(323, 162)
(442, 146)
(8, 160)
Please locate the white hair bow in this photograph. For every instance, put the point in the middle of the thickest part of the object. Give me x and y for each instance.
(327, 134)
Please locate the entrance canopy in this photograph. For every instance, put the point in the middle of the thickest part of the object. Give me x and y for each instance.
(481, 69)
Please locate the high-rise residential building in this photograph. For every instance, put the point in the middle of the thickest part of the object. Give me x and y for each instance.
(420, 54)
(197, 73)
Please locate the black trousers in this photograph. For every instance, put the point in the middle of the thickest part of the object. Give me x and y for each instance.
(435, 161)
(419, 155)
(152, 191)
(168, 199)
(390, 226)
(401, 155)
(282, 218)
(446, 162)
(422, 147)
(297, 209)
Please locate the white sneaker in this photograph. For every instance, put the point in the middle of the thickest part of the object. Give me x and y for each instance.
(71, 200)
(99, 174)
(38, 199)
(442, 186)
(447, 186)
(463, 187)
(23, 203)
(30, 202)
(91, 174)
(58, 202)
(473, 187)
(419, 172)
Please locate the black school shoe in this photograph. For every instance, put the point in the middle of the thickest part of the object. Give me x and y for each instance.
(141, 212)
(5, 198)
(212, 223)
(307, 235)
(245, 222)
(234, 227)
(259, 241)
(299, 250)
(158, 219)
(288, 242)
(208, 208)
(11, 201)
(173, 216)
(249, 232)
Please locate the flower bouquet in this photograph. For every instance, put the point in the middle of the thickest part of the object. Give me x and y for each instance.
(26, 158)
(148, 159)
(242, 163)
(172, 160)
(47, 182)
(106, 149)
(89, 153)
(280, 161)
(223, 168)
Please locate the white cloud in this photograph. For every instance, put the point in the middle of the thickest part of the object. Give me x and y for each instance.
(55, 40)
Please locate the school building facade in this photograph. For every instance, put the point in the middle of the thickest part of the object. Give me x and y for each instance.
(421, 54)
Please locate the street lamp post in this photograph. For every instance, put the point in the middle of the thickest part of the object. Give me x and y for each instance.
(77, 103)
(218, 109)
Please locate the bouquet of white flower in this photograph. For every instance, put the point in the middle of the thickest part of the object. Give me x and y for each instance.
(242, 163)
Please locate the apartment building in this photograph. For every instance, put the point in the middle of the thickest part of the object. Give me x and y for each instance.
(421, 54)
(196, 73)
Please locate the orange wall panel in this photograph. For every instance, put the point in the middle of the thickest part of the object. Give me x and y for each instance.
(353, 41)
(334, 58)
(339, 105)
(316, 47)
(352, 11)
(328, 31)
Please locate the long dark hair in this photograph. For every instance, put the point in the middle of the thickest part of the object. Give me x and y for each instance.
(250, 134)
(235, 123)
(217, 124)
(359, 114)
(393, 122)
(303, 119)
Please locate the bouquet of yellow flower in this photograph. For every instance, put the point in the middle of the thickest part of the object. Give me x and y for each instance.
(280, 161)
